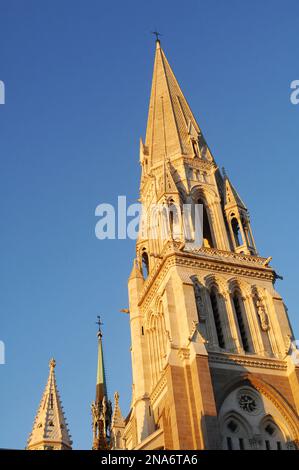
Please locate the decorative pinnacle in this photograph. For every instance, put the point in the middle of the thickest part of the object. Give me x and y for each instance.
(116, 397)
(52, 363)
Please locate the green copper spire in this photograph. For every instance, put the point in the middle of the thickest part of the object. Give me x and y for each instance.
(101, 388)
(101, 408)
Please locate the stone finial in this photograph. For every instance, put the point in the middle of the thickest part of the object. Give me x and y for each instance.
(52, 363)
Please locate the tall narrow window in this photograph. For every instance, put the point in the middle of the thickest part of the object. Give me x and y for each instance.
(206, 229)
(236, 232)
(145, 264)
(241, 324)
(217, 319)
(229, 443)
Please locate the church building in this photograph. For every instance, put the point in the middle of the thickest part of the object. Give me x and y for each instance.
(213, 353)
(214, 360)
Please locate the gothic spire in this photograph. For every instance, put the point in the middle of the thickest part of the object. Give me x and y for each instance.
(117, 424)
(172, 129)
(101, 388)
(101, 408)
(50, 431)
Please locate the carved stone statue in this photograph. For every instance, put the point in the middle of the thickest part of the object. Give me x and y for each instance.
(264, 319)
(198, 298)
(261, 311)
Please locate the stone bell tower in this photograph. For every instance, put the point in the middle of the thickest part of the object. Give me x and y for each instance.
(213, 359)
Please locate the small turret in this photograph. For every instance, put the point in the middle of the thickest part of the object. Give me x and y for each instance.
(238, 220)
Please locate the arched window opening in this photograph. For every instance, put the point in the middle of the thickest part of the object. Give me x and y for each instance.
(206, 229)
(236, 232)
(246, 422)
(235, 432)
(241, 324)
(247, 232)
(272, 436)
(145, 264)
(157, 342)
(217, 319)
(194, 147)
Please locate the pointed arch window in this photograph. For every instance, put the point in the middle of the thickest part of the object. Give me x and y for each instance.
(237, 301)
(206, 228)
(247, 232)
(236, 231)
(145, 264)
(217, 318)
(195, 147)
(236, 432)
(157, 341)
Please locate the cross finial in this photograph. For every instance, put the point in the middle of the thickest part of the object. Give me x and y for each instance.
(99, 323)
(157, 34)
(52, 363)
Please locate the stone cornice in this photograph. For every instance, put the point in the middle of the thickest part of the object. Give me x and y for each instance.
(247, 361)
(175, 254)
(229, 256)
(199, 163)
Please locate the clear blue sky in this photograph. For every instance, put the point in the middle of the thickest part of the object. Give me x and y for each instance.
(78, 77)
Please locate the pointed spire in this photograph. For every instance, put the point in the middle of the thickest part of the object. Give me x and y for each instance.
(231, 196)
(101, 388)
(117, 417)
(101, 408)
(172, 129)
(117, 424)
(50, 429)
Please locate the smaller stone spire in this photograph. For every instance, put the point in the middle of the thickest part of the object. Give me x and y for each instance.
(117, 417)
(117, 424)
(238, 220)
(50, 431)
(231, 196)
